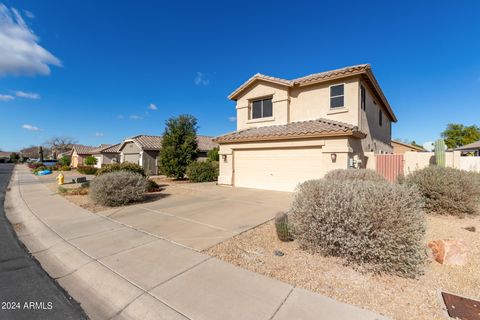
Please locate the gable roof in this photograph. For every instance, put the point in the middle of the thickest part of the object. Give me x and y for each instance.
(154, 143)
(81, 149)
(362, 69)
(301, 129)
(107, 148)
(407, 145)
(471, 146)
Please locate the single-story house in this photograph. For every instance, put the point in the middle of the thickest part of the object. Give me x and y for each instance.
(290, 131)
(145, 150)
(401, 147)
(79, 153)
(106, 155)
(470, 149)
(5, 155)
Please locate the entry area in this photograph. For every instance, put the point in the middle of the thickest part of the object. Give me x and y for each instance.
(277, 169)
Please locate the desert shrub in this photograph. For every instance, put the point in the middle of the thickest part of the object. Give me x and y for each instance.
(213, 154)
(126, 166)
(376, 226)
(65, 168)
(152, 186)
(87, 169)
(90, 161)
(118, 188)
(40, 168)
(354, 174)
(202, 171)
(447, 190)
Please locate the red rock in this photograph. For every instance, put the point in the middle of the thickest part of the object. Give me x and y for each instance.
(449, 251)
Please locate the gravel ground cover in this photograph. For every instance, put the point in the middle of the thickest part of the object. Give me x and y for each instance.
(393, 296)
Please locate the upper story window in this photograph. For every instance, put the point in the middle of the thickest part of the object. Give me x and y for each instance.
(380, 118)
(262, 108)
(363, 102)
(337, 96)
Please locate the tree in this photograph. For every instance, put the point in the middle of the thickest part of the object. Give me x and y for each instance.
(65, 161)
(457, 135)
(213, 154)
(90, 161)
(179, 146)
(60, 144)
(14, 157)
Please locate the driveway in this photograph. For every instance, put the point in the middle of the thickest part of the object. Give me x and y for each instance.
(201, 215)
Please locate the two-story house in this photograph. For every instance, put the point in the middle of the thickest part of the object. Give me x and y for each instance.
(290, 131)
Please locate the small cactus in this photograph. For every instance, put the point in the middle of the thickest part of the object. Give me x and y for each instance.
(282, 227)
(440, 153)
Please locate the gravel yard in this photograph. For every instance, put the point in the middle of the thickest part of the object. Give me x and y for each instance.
(392, 296)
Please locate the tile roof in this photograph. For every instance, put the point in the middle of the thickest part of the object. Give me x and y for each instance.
(112, 149)
(145, 142)
(4, 154)
(311, 128)
(332, 74)
(470, 146)
(81, 149)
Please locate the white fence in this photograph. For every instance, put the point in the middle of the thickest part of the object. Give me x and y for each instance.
(469, 163)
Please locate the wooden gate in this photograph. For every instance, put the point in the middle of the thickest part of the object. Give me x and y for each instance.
(389, 165)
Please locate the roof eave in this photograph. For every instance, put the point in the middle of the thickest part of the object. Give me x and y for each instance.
(256, 78)
(349, 133)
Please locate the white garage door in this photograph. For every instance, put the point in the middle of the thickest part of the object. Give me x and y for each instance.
(276, 169)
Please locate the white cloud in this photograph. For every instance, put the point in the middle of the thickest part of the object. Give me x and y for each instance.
(232, 119)
(6, 97)
(98, 134)
(200, 79)
(120, 116)
(135, 117)
(20, 52)
(30, 127)
(27, 95)
(152, 106)
(29, 14)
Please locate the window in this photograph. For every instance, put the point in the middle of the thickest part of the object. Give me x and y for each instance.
(336, 96)
(363, 98)
(380, 118)
(262, 108)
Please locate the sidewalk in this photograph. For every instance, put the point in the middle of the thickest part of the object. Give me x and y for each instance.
(118, 272)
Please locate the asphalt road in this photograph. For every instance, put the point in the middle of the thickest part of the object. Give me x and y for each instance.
(26, 290)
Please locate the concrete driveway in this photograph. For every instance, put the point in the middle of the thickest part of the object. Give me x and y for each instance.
(201, 215)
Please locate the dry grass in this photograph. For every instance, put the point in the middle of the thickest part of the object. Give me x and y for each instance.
(393, 296)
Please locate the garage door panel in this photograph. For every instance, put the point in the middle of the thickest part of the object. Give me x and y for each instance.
(277, 169)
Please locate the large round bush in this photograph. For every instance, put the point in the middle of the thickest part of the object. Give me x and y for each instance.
(377, 225)
(205, 171)
(447, 190)
(354, 174)
(118, 188)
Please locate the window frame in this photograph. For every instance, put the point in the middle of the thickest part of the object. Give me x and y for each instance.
(262, 99)
(330, 95)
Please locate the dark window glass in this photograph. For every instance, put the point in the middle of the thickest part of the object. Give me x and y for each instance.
(336, 102)
(362, 93)
(380, 117)
(336, 90)
(267, 108)
(257, 109)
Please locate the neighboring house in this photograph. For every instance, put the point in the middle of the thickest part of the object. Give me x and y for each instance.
(107, 154)
(401, 148)
(79, 153)
(5, 155)
(289, 131)
(470, 149)
(145, 150)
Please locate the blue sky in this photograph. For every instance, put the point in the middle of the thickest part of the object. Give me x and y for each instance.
(91, 70)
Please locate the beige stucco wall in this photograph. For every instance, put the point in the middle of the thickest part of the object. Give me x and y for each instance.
(340, 146)
(378, 137)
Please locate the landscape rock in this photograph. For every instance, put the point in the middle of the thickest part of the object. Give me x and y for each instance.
(449, 251)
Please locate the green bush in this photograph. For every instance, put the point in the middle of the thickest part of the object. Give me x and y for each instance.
(64, 161)
(126, 166)
(152, 186)
(87, 169)
(40, 168)
(65, 168)
(90, 161)
(446, 190)
(213, 154)
(282, 227)
(378, 226)
(354, 174)
(118, 188)
(199, 171)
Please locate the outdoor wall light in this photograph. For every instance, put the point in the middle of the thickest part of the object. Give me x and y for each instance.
(224, 157)
(334, 157)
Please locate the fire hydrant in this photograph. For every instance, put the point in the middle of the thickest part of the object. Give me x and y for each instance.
(60, 178)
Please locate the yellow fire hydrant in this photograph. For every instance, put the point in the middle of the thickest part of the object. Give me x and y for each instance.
(61, 178)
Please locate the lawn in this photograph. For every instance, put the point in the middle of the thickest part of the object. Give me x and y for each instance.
(393, 296)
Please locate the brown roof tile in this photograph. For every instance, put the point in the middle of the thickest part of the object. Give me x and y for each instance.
(81, 149)
(205, 143)
(311, 128)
